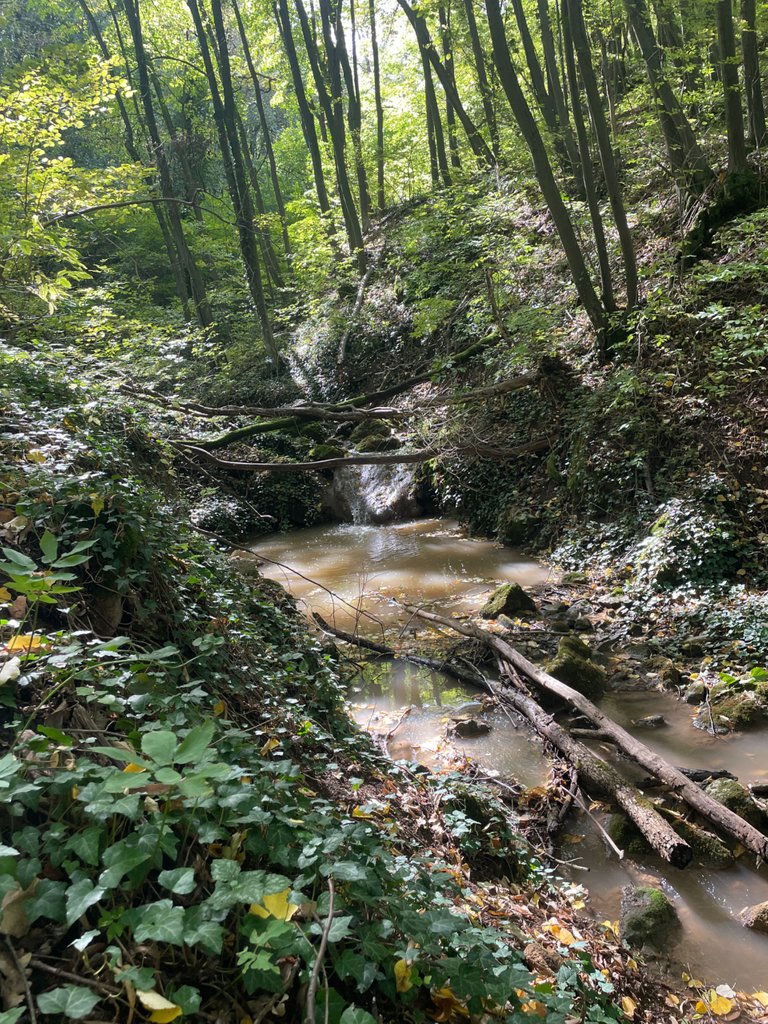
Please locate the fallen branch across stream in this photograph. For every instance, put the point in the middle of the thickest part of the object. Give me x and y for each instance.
(362, 458)
(685, 789)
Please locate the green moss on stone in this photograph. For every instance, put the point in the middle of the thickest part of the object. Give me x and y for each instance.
(326, 451)
(507, 599)
(647, 917)
(736, 798)
(573, 665)
(626, 836)
(708, 851)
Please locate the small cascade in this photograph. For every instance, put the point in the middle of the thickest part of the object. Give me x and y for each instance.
(373, 494)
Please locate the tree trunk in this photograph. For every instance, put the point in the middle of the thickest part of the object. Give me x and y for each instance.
(482, 77)
(590, 189)
(684, 152)
(283, 20)
(574, 14)
(729, 76)
(752, 82)
(225, 117)
(178, 147)
(271, 263)
(474, 137)
(544, 175)
(438, 160)
(186, 260)
(380, 197)
(443, 14)
(268, 147)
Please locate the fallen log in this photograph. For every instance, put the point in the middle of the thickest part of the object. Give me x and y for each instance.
(685, 789)
(361, 459)
(433, 664)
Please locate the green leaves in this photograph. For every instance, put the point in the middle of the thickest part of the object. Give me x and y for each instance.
(73, 1001)
(80, 897)
(160, 922)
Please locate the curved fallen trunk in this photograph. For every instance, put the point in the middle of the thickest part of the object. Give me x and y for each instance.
(720, 816)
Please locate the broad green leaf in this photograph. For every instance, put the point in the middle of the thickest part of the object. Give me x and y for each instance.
(355, 1015)
(49, 545)
(11, 1016)
(195, 743)
(159, 745)
(80, 897)
(73, 1001)
(179, 880)
(160, 922)
(19, 560)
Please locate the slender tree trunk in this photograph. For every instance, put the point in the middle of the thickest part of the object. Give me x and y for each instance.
(444, 15)
(752, 84)
(474, 137)
(482, 77)
(438, 159)
(186, 260)
(274, 176)
(191, 191)
(550, 64)
(585, 163)
(283, 19)
(225, 117)
(271, 263)
(575, 18)
(560, 131)
(683, 150)
(543, 169)
(729, 75)
(330, 102)
(380, 197)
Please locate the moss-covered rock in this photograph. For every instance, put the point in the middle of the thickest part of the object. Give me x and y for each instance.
(627, 836)
(755, 917)
(647, 918)
(370, 428)
(377, 443)
(665, 669)
(739, 710)
(736, 798)
(326, 451)
(507, 599)
(516, 526)
(573, 665)
(708, 850)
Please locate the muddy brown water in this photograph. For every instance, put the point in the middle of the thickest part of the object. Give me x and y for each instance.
(432, 561)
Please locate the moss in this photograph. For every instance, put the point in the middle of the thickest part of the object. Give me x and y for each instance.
(377, 443)
(626, 836)
(647, 917)
(507, 600)
(370, 428)
(326, 451)
(515, 526)
(736, 798)
(708, 851)
(573, 665)
(739, 710)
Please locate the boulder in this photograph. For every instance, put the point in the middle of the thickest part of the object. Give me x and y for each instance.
(650, 722)
(755, 917)
(507, 599)
(515, 526)
(666, 670)
(646, 918)
(468, 728)
(737, 798)
(573, 665)
(694, 694)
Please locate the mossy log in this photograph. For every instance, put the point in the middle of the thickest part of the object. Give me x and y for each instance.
(721, 817)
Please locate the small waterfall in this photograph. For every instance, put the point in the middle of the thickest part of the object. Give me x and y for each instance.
(373, 494)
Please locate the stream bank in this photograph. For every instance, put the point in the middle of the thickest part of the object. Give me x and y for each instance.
(431, 562)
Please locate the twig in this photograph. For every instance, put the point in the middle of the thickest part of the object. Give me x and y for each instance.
(25, 981)
(59, 972)
(580, 803)
(309, 1008)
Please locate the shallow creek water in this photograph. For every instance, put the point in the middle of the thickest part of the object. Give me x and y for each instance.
(431, 561)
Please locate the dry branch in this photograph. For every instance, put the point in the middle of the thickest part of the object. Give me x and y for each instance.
(720, 816)
(362, 458)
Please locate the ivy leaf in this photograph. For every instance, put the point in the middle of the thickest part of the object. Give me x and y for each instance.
(355, 1015)
(160, 746)
(11, 1016)
(179, 880)
(73, 1001)
(160, 922)
(80, 897)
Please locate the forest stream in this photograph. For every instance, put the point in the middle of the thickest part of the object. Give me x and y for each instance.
(362, 567)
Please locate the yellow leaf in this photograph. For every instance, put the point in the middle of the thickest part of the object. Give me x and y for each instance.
(358, 812)
(5, 595)
(35, 456)
(403, 976)
(632, 964)
(27, 643)
(672, 1000)
(629, 1006)
(268, 746)
(572, 838)
(536, 1008)
(720, 1006)
(275, 905)
(133, 769)
(760, 997)
(219, 708)
(162, 1010)
(97, 504)
(701, 1007)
